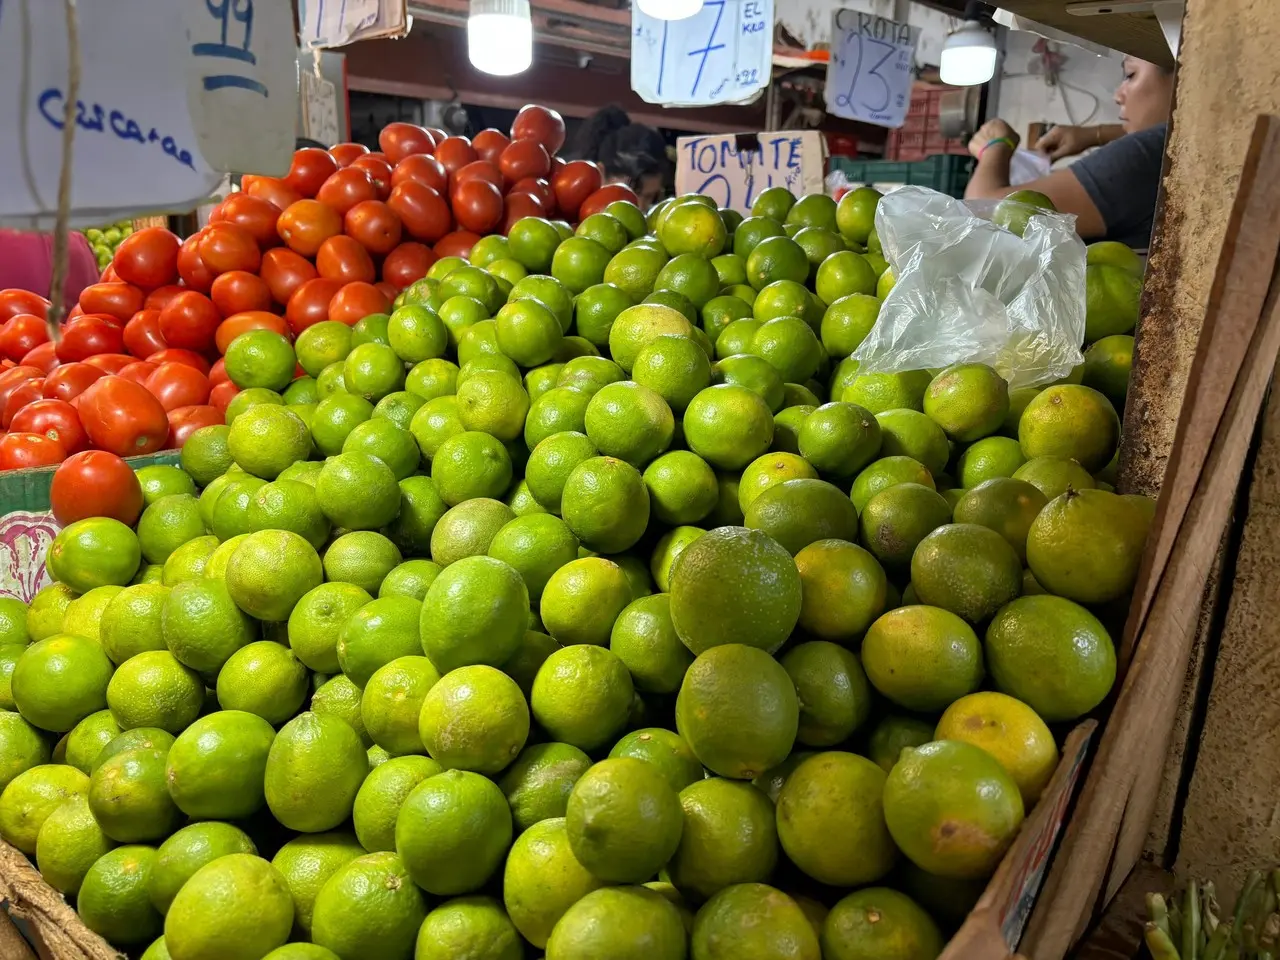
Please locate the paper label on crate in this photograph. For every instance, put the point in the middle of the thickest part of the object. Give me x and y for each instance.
(172, 94)
(722, 54)
(734, 169)
(870, 73)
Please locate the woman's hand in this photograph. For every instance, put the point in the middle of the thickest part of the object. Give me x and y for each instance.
(991, 130)
(1067, 141)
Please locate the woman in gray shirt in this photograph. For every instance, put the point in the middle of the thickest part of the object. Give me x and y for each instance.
(1112, 191)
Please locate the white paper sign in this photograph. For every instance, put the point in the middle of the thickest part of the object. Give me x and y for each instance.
(723, 54)
(335, 23)
(319, 108)
(173, 93)
(735, 169)
(870, 73)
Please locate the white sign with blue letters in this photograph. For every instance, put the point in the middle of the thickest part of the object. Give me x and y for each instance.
(735, 169)
(722, 54)
(870, 72)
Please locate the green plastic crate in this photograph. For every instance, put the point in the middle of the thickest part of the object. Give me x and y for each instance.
(946, 173)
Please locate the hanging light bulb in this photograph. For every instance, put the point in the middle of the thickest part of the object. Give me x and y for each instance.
(669, 9)
(969, 52)
(500, 36)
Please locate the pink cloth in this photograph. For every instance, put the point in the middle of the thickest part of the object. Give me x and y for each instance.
(26, 262)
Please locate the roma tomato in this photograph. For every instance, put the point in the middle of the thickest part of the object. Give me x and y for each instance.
(272, 189)
(454, 153)
(456, 244)
(489, 144)
(423, 168)
(69, 380)
(218, 372)
(119, 300)
(517, 206)
(191, 266)
(27, 392)
(123, 417)
(307, 224)
(95, 484)
(605, 196)
(138, 371)
(222, 395)
(480, 170)
(310, 303)
(147, 258)
(539, 188)
(374, 225)
(142, 334)
(20, 451)
(178, 355)
(355, 301)
(240, 290)
(111, 362)
(347, 187)
(524, 158)
(400, 140)
(379, 172)
(478, 205)
(88, 336)
(185, 421)
(345, 258)
(190, 321)
(256, 215)
(15, 301)
(55, 419)
(239, 323)
(407, 263)
(388, 290)
(344, 153)
(178, 385)
(158, 297)
(43, 356)
(226, 247)
(310, 168)
(423, 212)
(284, 271)
(539, 123)
(573, 184)
(21, 334)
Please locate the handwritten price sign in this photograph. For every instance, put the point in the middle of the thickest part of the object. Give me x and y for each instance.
(733, 170)
(723, 54)
(870, 73)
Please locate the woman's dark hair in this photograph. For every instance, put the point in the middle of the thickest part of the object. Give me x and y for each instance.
(301, 142)
(634, 151)
(591, 134)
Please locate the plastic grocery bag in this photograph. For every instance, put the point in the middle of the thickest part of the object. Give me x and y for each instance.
(969, 290)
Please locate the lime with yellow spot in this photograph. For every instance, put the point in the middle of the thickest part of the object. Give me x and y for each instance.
(266, 439)
(692, 227)
(582, 599)
(728, 426)
(776, 258)
(322, 344)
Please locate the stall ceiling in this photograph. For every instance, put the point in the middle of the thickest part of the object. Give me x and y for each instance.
(1124, 25)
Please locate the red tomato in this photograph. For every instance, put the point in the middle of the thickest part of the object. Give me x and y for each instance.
(454, 153)
(344, 153)
(539, 123)
(423, 168)
(87, 336)
(478, 205)
(272, 189)
(218, 372)
(406, 263)
(21, 334)
(257, 215)
(480, 170)
(20, 451)
(605, 196)
(190, 321)
(517, 206)
(378, 155)
(284, 271)
(346, 188)
(111, 362)
(307, 224)
(456, 244)
(120, 300)
(147, 258)
(19, 373)
(239, 323)
(400, 140)
(423, 212)
(226, 247)
(27, 392)
(15, 301)
(438, 135)
(142, 334)
(310, 303)
(240, 290)
(178, 385)
(573, 184)
(158, 297)
(379, 172)
(375, 225)
(55, 419)
(524, 158)
(490, 143)
(388, 290)
(185, 421)
(355, 301)
(123, 417)
(138, 371)
(178, 355)
(43, 356)
(539, 188)
(310, 168)
(221, 395)
(191, 267)
(70, 380)
(344, 258)
(95, 484)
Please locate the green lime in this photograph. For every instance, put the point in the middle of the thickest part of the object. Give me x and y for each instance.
(94, 552)
(358, 491)
(260, 358)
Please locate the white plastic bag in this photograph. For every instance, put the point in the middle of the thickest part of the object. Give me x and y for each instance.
(970, 291)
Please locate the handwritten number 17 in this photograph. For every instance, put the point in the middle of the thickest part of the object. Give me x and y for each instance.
(710, 46)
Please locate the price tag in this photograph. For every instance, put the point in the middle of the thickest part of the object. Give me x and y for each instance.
(723, 54)
(870, 73)
(173, 94)
(735, 169)
(335, 23)
(319, 108)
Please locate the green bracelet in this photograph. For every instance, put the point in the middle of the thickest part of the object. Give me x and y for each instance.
(1007, 141)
